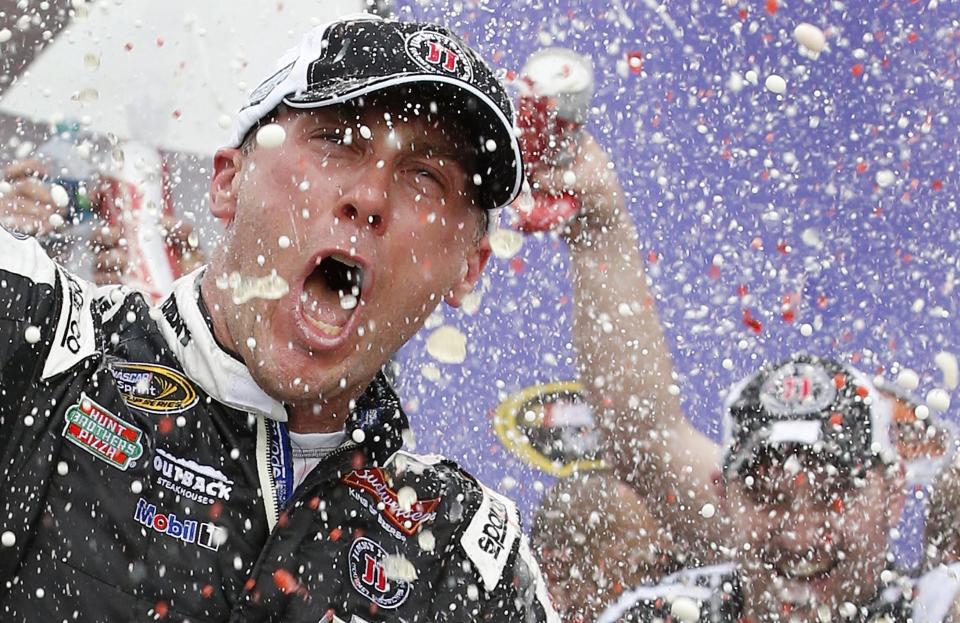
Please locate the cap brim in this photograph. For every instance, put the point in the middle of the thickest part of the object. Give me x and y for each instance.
(501, 174)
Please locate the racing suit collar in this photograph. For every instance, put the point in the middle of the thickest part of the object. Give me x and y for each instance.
(377, 412)
(223, 377)
(378, 415)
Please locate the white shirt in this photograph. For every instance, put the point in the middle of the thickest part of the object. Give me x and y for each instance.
(308, 449)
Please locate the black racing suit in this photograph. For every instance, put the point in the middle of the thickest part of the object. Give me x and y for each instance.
(145, 476)
(714, 595)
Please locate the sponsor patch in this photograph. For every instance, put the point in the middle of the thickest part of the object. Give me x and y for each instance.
(204, 534)
(102, 434)
(191, 480)
(797, 389)
(551, 427)
(490, 536)
(439, 53)
(153, 388)
(74, 340)
(369, 578)
(408, 520)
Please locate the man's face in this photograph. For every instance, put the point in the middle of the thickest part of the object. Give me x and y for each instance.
(366, 217)
(810, 537)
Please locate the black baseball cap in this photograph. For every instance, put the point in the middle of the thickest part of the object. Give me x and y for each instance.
(810, 402)
(355, 56)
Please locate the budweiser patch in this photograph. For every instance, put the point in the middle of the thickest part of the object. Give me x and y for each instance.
(408, 518)
(102, 434)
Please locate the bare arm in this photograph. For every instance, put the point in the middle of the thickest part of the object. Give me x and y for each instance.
(625, 362)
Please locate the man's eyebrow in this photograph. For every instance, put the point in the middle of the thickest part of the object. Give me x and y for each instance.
(443, 151)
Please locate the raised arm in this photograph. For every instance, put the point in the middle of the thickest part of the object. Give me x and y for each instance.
(623, 357)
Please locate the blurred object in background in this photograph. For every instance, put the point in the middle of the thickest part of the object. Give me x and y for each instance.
(134, 196)
(587, 570)
(555, 88)
(144, 94)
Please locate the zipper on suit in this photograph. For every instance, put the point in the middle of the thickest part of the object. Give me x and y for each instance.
(268, 483)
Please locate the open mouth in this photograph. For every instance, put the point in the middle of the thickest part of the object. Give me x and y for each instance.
(332, 293)
(806, 570)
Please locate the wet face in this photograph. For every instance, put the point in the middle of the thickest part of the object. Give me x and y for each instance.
(364, 213)
(810, 537)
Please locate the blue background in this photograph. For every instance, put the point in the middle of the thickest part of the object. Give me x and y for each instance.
(723, 185)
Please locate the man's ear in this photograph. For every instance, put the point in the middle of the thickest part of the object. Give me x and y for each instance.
(473, 264)
(224, 181)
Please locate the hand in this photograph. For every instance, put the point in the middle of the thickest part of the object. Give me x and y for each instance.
(27, 206)
(112, 259)
(588, 176)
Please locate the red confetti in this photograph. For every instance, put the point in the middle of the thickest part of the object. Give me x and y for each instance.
(862, 167)
(742, 290)
(788, 316)
(772, 7)
(162, 609)
(165, 425)
(742, 14)
(652, 256)
(857, 70)
(285, 581)
(752, 323)
(714, 271)
(836, 419)
(335, 534)
(635, 62)
(936, 184)
(128, 46)
(207, 591)
(912, 37)
(516, 265)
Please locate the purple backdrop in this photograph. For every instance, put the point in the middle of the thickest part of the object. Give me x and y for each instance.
(760, 212)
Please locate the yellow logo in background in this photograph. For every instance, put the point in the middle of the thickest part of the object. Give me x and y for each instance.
(551, 427)
(153, 388)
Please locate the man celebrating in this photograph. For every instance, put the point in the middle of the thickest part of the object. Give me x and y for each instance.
(812, 479)
(806, 486)
(234, 453)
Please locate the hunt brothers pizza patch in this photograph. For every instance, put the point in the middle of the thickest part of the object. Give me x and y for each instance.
(102, 434)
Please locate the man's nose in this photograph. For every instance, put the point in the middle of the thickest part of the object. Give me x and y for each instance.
(808, 524)
(366, 200)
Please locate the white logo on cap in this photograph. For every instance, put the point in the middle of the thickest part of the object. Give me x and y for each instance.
(797, 389)
(439, 53)
(261, 92)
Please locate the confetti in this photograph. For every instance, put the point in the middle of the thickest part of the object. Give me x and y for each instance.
(947, 363)
(810, 37)
(775, 84)
(447, 345)
(271, 136)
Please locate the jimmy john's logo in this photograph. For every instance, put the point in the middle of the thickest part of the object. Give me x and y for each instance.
(369, 575)
(153, 388)
(797, 389)
(550, 427)
(490, 537)
(439, 53)
(191, 480)
(102, 434)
